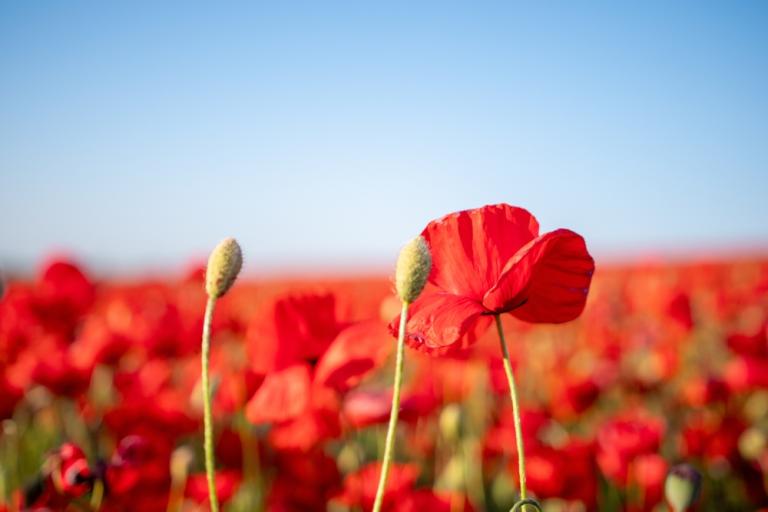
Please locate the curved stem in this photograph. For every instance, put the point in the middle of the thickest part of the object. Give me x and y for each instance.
(522, 503)
(390, 442)
(207, 415)
(515, 410)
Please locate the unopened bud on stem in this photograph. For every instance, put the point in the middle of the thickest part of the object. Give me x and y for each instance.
(682, 487)
(412, 271)
(224, 264)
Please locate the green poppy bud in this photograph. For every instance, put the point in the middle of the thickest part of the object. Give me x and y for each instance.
(413, 266)
(682, 487)
(224, 264)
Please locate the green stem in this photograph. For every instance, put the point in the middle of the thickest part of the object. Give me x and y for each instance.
(97, 495)
(390, 442)
(515, 410)
(207, 415)
(251, 466)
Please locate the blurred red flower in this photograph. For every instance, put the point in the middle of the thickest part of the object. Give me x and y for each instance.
(622, 440)
(65, 475)
(9, 396)
(360, 487)
(309, 356)
(139, 467)
(303, 481)
(492, 260)
(648, 472)
(227, 483)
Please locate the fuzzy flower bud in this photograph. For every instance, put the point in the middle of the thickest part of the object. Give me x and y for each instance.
(682, 487)
(412, 271)
(224, 264)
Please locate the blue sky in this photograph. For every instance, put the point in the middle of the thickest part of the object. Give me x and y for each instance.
(323, 134)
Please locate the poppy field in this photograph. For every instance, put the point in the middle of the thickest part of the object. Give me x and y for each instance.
(636, 386)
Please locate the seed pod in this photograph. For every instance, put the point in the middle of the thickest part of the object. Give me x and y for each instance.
(224, 264)
(682, 487)
(413, 266)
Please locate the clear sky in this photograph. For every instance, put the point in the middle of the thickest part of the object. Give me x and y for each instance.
(326, 134)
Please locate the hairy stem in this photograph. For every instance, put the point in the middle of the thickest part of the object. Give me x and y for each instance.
(515, 410)
(207, 415)
(390, 442)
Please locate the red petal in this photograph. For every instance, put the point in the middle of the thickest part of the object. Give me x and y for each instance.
(469, 248)
(283, 395)
(297, 328)
(547, 281)
(360, 487)
(442, 322)
(227, 482)
(356, 351)
(306, 431)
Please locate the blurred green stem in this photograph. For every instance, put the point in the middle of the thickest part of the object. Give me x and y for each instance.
(97, 495)
(515, 410)
(251, 466)
(390, 442)
(207, 415)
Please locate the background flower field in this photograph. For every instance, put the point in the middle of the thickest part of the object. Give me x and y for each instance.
(668, 364)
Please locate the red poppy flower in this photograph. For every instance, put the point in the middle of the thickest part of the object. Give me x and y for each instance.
(65, 294)
(575, 395)
(362, 408)
(10, 395)
(492, 260)
(303, 481)
(621, 440)
(65, 475)
(427, 499)
(360, 487)
(309, 356)
(227, 483)
(648, 473)
(140, 463)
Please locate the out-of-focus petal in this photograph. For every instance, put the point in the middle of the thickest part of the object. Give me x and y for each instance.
(226, 481)
(356, 351)
(283, 395)
(297, 328)
(360, 487)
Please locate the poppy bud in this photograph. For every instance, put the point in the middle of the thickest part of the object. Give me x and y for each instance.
(181, 459)
(682, 487)
(752, 443)
(348, 459)
(413, 266)
(450, 422)
(452, 477)
(503, 490)
(224, 264)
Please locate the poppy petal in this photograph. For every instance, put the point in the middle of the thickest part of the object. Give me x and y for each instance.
(469, 248)
(357, 350)
(547, 280)
(283, 395)
(441, 322)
